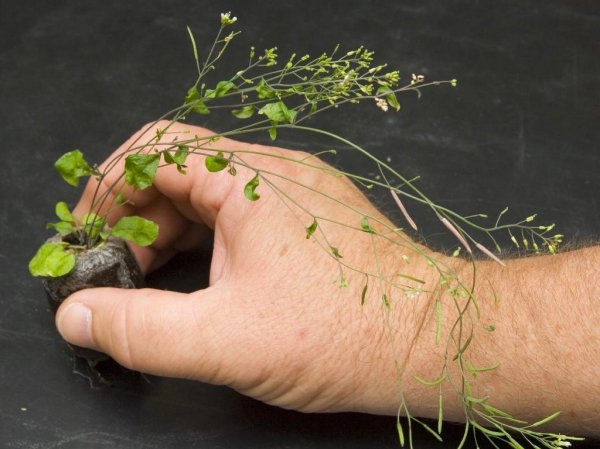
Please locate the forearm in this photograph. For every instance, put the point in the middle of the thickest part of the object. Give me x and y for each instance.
(546, 341)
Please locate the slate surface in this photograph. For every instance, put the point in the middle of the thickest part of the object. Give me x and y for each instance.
(521, 130)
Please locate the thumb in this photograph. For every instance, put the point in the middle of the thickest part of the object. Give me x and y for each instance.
(153, 331)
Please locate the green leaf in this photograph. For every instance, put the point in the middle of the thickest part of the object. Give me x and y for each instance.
(273, 132)
(200, 108)
(178, 157)
(72, 166)
(390, 96)
(249, 189)
(364, 224)
(311, 229)
(335, 252)
(140, 169)
(181, 154)
(222, 88)
(273, 112)
(138, 230)
(245, 112)
(192, 95)
(278, 112)
(216, 163)
(52, 260)
(264, 91)
(289, 114)
(62, 227)
(193, 100)
(63, 212)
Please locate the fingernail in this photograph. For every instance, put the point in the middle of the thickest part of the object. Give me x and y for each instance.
(75, 325)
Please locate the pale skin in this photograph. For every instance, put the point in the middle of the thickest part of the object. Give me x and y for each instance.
(274, 324)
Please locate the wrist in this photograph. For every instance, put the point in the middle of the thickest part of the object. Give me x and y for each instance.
(402, 331)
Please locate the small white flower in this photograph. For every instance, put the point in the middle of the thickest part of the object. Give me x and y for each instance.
(417, 79)
(381, 104)
(226, 18)
(560, 441)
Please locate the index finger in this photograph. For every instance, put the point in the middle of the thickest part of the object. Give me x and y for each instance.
(168, 201)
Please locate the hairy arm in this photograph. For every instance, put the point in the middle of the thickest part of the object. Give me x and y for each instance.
(546, 341)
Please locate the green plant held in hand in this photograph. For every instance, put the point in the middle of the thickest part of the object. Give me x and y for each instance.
(267, 96)
(58, 259)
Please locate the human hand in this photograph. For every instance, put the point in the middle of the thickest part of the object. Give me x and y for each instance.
(274, 323)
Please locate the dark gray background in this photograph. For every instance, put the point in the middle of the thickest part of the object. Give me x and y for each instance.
(521, 130)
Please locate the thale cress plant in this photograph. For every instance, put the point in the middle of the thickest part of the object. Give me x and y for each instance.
(269, 97)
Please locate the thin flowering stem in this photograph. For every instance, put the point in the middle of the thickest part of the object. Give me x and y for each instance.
(403, 210)
(457, 234)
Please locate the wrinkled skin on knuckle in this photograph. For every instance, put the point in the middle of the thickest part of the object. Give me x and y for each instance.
(118, 341)
(134, 333)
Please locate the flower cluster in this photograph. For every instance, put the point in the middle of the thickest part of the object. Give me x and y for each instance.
(226, 19)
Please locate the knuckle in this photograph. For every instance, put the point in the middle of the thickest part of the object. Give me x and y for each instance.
(125, 331)
(118, 345)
